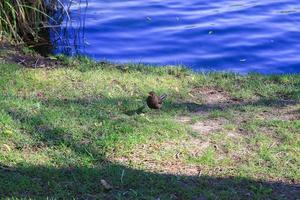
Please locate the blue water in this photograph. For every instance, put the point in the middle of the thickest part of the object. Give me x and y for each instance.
(221, 35)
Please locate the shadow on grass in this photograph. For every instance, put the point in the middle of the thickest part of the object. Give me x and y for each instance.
(272, 102)
(40, 182)
(131, 106)
(44, 133)
(81, 182)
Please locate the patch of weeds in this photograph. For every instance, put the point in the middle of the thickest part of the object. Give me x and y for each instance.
(230, 127)
(207, 158)
(196, 118)
(260, 191)
(227, 114)
(28, 51)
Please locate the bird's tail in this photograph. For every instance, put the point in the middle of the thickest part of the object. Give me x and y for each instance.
(163, 97)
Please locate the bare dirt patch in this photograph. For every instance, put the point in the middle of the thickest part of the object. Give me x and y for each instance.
(213, 96)
(286, 113)
(15, 54)
(208, 126)
(214, 100)
(167, 157)
(211, 99)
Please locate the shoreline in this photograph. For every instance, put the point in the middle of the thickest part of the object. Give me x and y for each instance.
(31, 59)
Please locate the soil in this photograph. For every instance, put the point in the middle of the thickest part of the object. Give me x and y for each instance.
(15, 54)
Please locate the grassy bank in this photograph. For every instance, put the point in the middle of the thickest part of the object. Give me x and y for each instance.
(218, 136)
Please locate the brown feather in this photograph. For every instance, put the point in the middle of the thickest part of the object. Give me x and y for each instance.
(154, 101)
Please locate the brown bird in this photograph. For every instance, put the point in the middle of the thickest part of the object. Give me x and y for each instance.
(154, 101)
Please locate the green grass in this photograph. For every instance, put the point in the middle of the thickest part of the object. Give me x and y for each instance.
(63, 130)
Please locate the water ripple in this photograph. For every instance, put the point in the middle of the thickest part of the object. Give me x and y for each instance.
(236, 35)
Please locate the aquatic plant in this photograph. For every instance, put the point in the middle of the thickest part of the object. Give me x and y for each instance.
(27, 20)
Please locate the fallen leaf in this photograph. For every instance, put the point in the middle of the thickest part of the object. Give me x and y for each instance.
(148, 119)
(40, 94)
(191, 95)
(8, 132)
(7, 147)
(52, 58)
(106, 185)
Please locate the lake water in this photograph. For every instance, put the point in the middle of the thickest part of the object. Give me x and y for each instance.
(222, 35)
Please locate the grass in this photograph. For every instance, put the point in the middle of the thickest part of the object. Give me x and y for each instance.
(62, 130)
